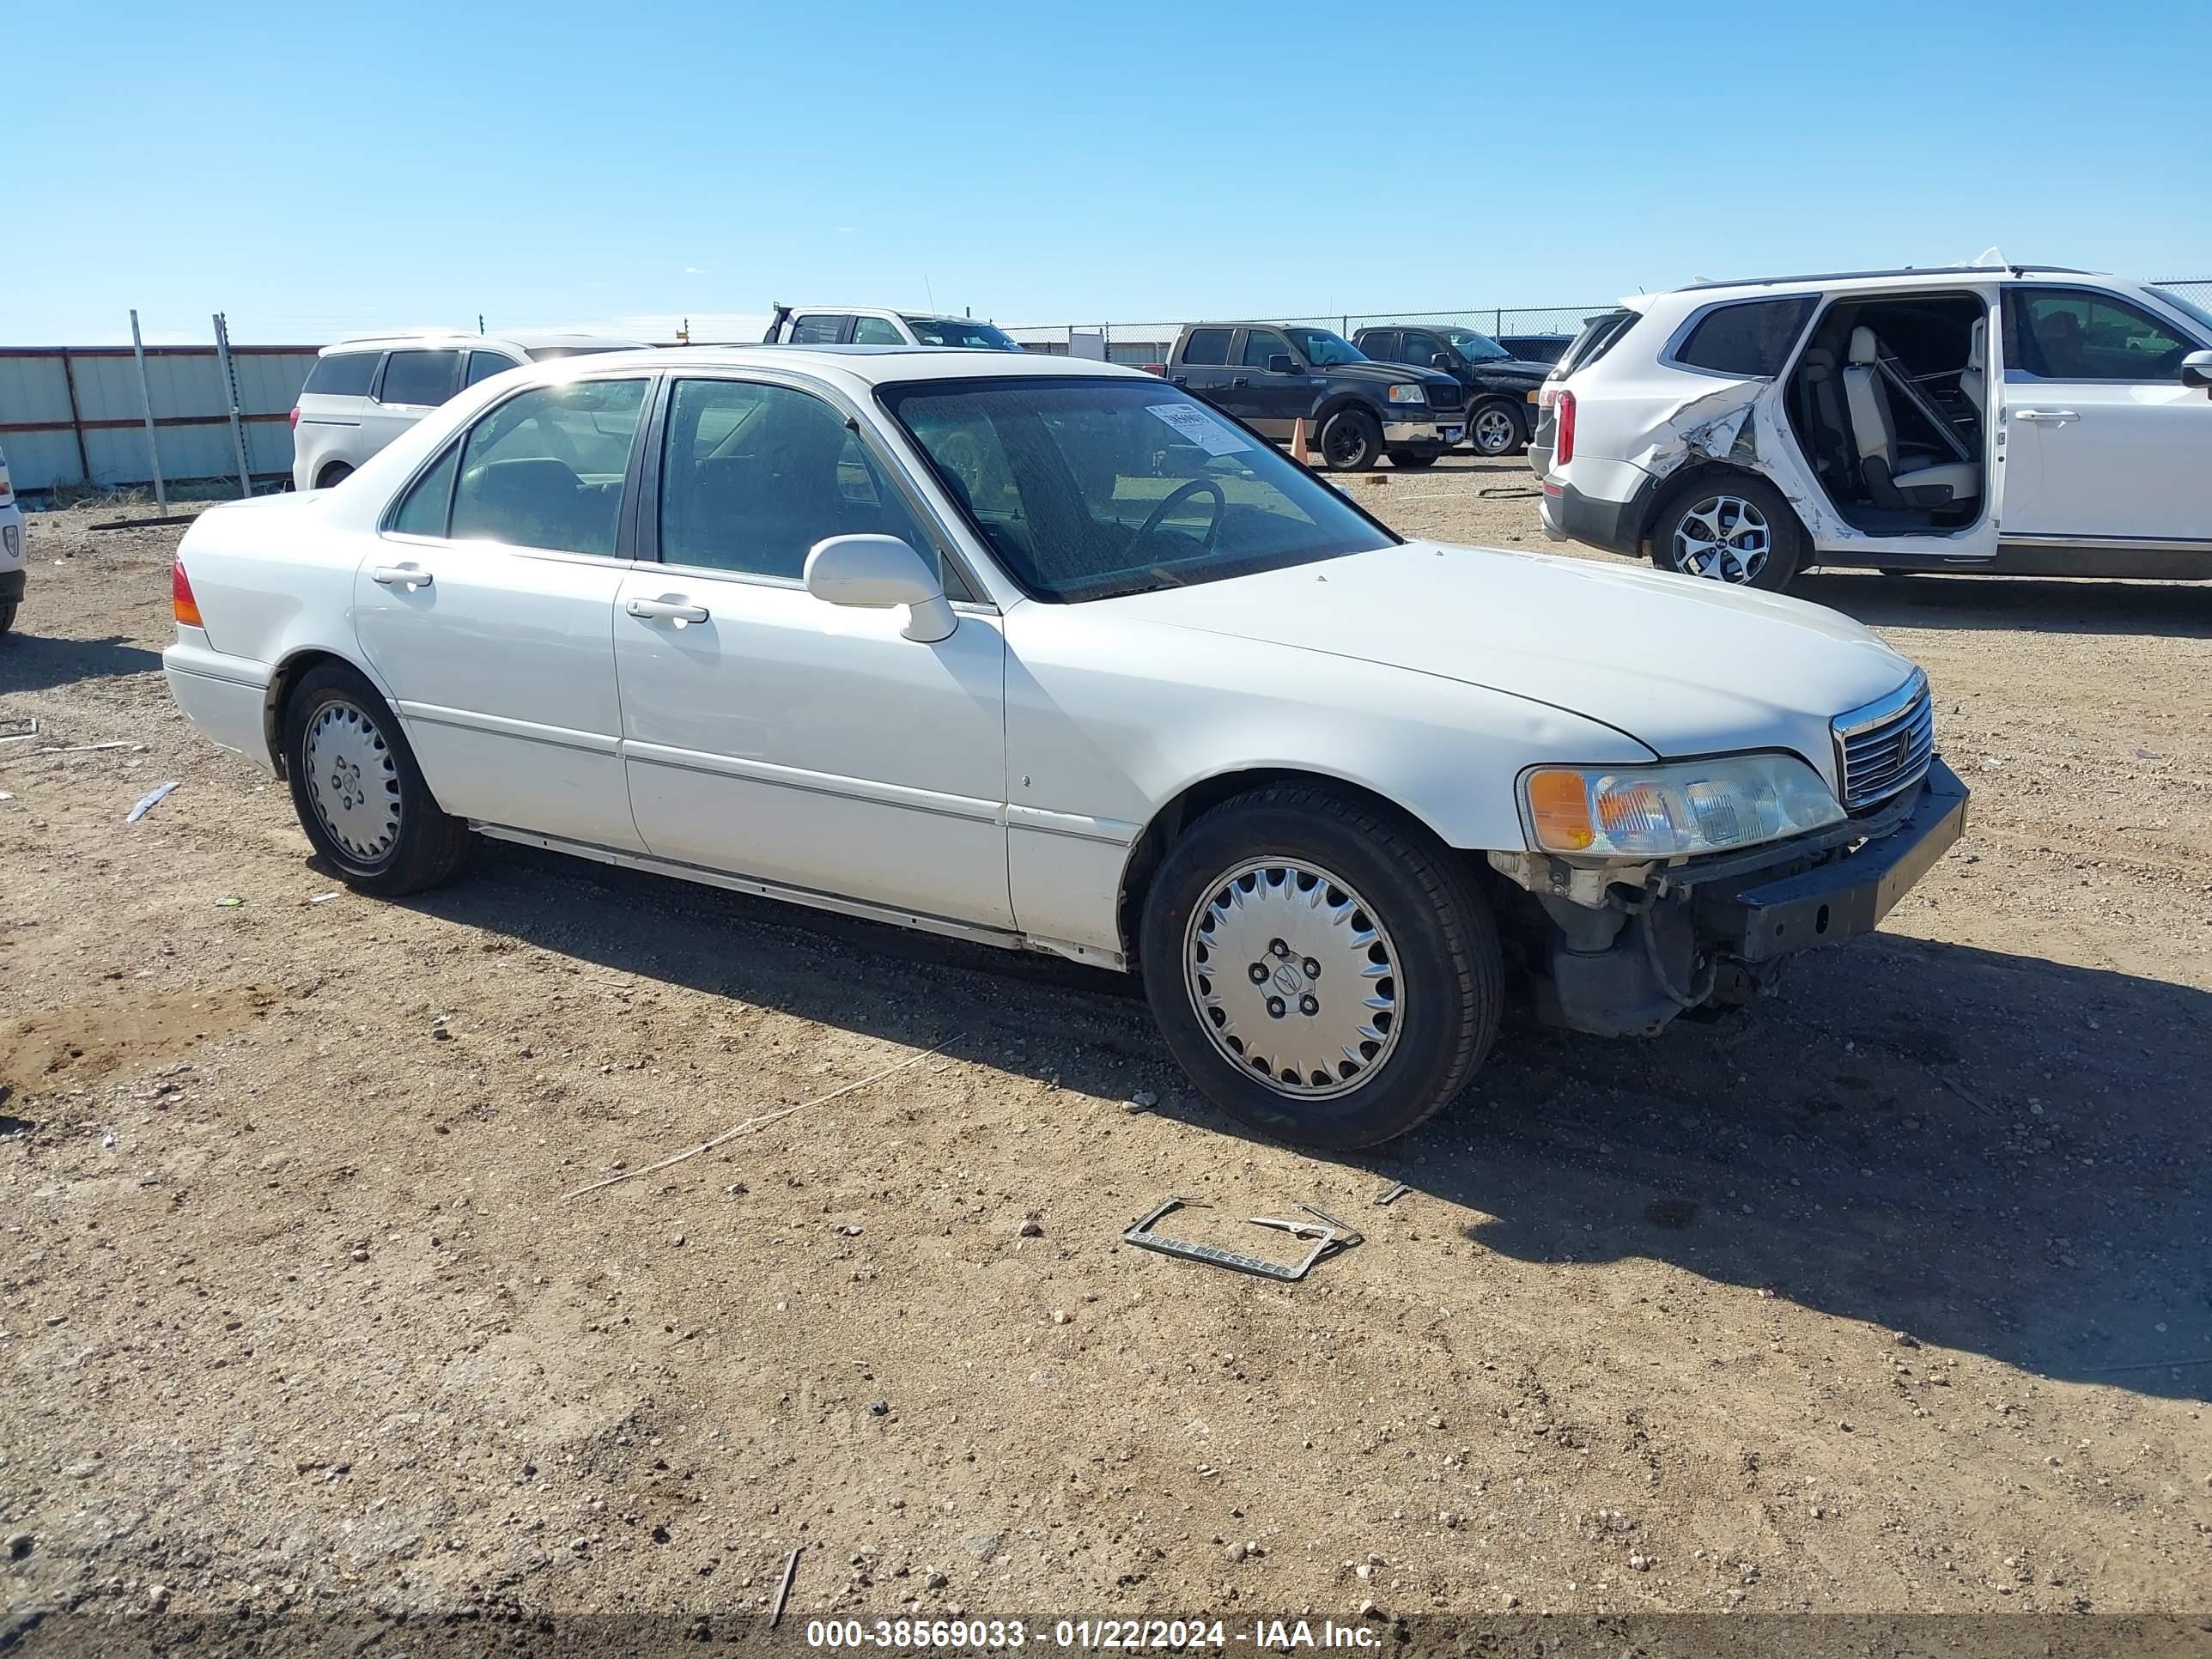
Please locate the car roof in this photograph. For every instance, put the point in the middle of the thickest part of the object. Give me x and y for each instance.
(1900, 276)
(872, 364)
(522, 339)
(911, 313)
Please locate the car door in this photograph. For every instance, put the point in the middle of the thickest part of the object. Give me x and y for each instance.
(780, 739)
(408, 387)
(2103, 442)
(1269, 398)
(1203, 367)
(488, 609)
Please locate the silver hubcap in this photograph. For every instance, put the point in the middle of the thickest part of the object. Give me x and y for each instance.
(353, 781)
(1723, 537)
(1493, 431)
(1293, 978)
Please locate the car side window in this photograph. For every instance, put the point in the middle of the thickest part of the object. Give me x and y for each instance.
(545, 469)
(874, 331)
(817, 328)
(483, 365)
(1207, 346)
(343, 374)
(753, 475)
(2064, 334)
(1419, 348)
(428, 504)
(1751, 340)
(418, 377)
(1379, 344)
(1261, 343)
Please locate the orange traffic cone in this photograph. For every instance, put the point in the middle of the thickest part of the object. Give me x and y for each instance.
(1298, 452)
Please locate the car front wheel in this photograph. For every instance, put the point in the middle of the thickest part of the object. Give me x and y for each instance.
(1737, 530)
(1496, 429)
(1350, 441)
(1326, 975)
(360, 796)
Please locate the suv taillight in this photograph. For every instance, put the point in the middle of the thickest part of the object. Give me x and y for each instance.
(296, 418)
(1563, 436)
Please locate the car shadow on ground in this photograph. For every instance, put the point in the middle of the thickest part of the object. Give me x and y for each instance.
(2057, 606)
(1992, 1154)
(31, 662)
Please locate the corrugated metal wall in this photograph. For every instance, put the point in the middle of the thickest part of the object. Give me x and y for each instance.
(72, 415)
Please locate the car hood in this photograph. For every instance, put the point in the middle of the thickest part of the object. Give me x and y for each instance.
(1511, 369)
(1386, 373)
(1685, 665)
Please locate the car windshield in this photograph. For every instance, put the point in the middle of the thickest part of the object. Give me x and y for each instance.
(1089, 488)
(1475, 348)
(1323, 348)
(960, 332)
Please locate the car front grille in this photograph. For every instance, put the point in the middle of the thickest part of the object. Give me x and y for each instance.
(1886, 746)
(1448, 400)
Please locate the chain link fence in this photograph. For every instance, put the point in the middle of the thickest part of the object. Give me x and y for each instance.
(1540, 332)
(2198, 290)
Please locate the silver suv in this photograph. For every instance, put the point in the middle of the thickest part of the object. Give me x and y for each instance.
(366, 390)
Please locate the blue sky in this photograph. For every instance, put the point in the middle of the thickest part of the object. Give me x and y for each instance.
(311, 169)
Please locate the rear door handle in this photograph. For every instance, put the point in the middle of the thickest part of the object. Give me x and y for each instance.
(668, 610)
(1240, 380)
(2048, 416)
(409, 576)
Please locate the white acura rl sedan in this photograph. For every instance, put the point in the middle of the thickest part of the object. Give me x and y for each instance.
(1049, 655)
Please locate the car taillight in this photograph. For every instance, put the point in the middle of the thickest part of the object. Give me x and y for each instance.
(180, 599)
(1154, 368)
(296, 418)
(1563, 437)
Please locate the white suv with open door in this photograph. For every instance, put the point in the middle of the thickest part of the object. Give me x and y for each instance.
(2015, 420)
(367, 389)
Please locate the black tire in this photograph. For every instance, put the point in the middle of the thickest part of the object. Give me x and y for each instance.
(336, 473)
(8, 616)
(427, 845)
(1350, 441)
(1433, 926)
(1413, 460)
(1489, 438)
(1700, 512)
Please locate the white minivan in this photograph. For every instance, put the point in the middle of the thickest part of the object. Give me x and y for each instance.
(12, 559)
(367, 389)
(2017, 420)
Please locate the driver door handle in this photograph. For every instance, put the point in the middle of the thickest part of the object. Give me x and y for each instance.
(2049, 416)
(675, 610)
(409, 576)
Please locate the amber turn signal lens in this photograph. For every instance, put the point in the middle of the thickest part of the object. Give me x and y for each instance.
(180, 596)
(1558, 802)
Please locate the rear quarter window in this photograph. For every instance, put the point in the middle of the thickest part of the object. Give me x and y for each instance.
(1751, 339)
(342, 375)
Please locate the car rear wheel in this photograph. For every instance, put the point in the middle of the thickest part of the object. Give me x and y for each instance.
(1326, 975)
(359, 794)
(1350, 441)
(1496, 429)
(1412, 459)
(1737, 530)
(336, 473)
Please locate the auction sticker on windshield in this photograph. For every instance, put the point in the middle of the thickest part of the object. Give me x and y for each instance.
(1202, 429)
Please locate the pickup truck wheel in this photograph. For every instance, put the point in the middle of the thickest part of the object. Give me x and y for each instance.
(1496, 429)
(1412, 459)
(1350, 441)
(1326, 975)
(360, 796)
(1735, 529)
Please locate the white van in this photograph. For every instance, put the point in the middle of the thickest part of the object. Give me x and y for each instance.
(367, 389)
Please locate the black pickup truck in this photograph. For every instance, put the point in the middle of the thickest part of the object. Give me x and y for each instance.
(1272, 375)
(1500, 387)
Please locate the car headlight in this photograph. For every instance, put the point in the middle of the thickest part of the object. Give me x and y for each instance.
(1676, 809)
(1409, 394)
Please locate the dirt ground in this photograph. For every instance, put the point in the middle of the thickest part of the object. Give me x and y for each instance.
(1892, 1295)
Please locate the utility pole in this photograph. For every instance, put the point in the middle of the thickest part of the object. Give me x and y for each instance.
(230, 383)
(146, 402)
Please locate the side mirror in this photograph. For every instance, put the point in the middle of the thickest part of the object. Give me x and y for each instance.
(1440, 360)
(2197, 370)
(875, 573)
(1280, 364)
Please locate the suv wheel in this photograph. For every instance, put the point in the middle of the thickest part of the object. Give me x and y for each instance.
(1496, 429)
(1735, 529)
(360, 796)
(1326, 974)
(1350, 441)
